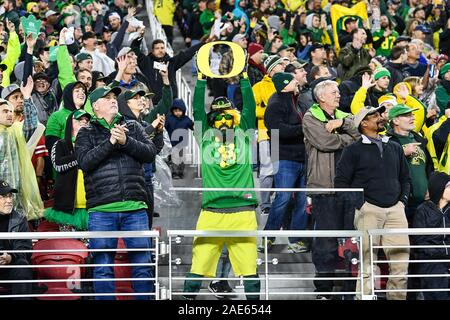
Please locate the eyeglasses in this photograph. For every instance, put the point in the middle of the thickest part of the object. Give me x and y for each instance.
(227, 116)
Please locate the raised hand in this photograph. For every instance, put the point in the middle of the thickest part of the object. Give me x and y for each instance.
(31, 42)
(367, 81)
(28, 88)
(62, 36)
(122, 62)
(10, 25)
(131, 13)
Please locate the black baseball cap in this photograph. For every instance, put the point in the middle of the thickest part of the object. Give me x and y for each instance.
(5, 188)
(316, 45)
(130, 94)
(349, 19)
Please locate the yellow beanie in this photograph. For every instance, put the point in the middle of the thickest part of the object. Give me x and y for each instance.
(30, 5)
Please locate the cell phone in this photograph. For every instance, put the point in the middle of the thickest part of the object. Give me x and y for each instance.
(159, 66)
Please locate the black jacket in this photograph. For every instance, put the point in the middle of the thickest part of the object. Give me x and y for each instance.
(283, 114)
(429, 215)
(113, 173)
(347, 90)
(65, 164)
(145, 63)
(385, 179)
(396, 70)
(18, 223)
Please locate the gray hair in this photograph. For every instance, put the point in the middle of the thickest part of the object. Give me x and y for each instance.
(319, 90)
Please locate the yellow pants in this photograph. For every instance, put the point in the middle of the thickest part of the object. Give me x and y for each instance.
(242, 251)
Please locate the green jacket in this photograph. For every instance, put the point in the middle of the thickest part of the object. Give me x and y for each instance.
(234, 172)
(442, 98)
(207, 21)
(66, 75)
(386, 46)
(352, 59)
(12, 54)
(163, 105)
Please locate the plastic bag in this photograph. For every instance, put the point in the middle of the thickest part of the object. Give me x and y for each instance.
(162, 182)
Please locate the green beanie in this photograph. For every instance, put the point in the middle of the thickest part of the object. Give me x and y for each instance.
(281, 80)
(445, 68)
(381, 72)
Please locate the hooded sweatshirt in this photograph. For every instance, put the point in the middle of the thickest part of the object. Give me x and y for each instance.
(56, 124)
(173, 123)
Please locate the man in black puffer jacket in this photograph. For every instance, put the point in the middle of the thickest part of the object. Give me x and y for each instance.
(284, 115)
(111, 152)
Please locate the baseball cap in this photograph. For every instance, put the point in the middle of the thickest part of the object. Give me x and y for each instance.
(445, 68)
(102, 92)
(402, 38)
(364, 112)
(115, 15)
(50, 13)
(298, 64)
(6, 92)
(78, 114)
(316, 45)
(82, 56)
(238, 37)
(284, 47)
(124, 51)
(398, 110)
(130, 94)
(41, 75)
(5, 188)
(422, 28)
(221, 103)
(349, 19)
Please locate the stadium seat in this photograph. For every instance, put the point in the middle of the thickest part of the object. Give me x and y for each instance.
(62, 257)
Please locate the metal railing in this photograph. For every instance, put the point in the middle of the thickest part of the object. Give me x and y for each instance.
(177, 235)
(184, 90)
(374, 260)
(71, 268)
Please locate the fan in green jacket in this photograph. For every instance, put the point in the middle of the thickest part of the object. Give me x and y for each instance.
(225, 164)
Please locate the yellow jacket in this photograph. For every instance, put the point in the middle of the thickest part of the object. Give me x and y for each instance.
(262, 91)
(164, 11)
(430, 144)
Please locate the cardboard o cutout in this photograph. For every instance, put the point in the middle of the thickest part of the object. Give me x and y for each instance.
(239, 58)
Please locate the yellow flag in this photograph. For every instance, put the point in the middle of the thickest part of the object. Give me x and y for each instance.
(340, 13)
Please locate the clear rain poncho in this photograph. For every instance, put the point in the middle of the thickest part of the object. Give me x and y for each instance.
(16, 168)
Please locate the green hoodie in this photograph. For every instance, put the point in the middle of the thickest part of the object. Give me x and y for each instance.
(237, 174)
(56, 123)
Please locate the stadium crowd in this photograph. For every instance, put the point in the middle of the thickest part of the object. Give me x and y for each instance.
(342, 94)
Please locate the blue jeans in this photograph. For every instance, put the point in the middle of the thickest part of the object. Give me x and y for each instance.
(120, 221)
(290, 174)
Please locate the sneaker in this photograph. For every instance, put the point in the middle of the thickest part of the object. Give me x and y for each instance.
(298, 247)
(265, 212)
(227, 289)
(261, 246)
(216, 289)
(322, 297)
(190, 298)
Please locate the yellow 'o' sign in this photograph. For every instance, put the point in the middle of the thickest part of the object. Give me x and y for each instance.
(203, 59)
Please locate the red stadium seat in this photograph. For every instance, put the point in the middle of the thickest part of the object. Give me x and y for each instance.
(63, 257)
